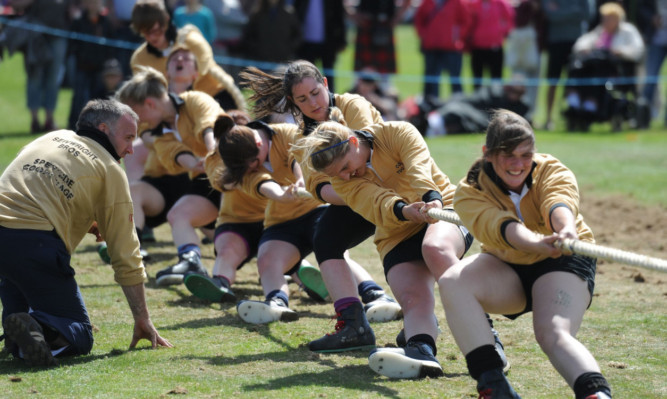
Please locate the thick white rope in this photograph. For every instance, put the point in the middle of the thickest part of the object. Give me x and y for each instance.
(567, 246)
(611, 254)
(579, 247)
(302, 193)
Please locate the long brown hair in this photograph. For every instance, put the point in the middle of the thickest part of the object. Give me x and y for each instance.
(271, 91)
(237, 148)
(505, 132)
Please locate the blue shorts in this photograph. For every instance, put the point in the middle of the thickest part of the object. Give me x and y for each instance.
(410, 250)
(298, 232)
(250, 233)
(582, 266)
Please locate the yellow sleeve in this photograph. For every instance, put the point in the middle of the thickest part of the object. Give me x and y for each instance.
(557, 185)
(116, 225)
(404, 139)
(168, 147)
(214, 168)
(482, 215)
(204, 111)
(357, 111)
(251, 182)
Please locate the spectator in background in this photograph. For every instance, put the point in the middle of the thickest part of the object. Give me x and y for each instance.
(566, 21)
(272, 34)
(323, 27)
(375, 21)
(523, 47)
(90, 57)
(112, 77)
(442, 27)
(44, 58)
(613, 48)
(492, 21)
(193, 12)
(120, 15)
(151, 20)
(383, 97)
(656, 40)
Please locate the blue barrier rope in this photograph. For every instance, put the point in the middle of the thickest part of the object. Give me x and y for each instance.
(242, 62)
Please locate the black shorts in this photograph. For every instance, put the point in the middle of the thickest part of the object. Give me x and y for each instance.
(582, 266)
(172, 187)
(559, 57)
(202, 187)
(339, 229)
(298, 232)
(250, 233)
(410, 250)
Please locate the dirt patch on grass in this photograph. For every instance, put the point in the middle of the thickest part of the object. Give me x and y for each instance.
(619, 222)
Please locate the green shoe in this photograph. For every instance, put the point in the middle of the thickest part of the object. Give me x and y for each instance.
(311, 278)
(211, 289)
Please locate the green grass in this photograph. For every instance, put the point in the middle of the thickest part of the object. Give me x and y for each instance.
(217, 355)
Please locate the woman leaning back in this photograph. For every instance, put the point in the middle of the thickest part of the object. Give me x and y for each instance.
(518, 203)
(301, 90)
(385, 173)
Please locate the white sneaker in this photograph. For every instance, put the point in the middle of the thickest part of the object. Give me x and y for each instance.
(383, 309)
(414, 361)
(263, 312)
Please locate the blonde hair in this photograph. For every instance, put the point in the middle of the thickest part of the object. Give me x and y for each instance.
(148, 82)
(614, 9)
(325, 145)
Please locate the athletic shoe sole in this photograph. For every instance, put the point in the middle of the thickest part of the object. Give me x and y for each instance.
(256, 312)
(392, 363)
(203, 288)
(169, 279)
(36, 352)
(311, 278)
(383, 312)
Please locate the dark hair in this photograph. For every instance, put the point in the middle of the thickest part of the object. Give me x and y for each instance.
(237, 148)
(271, 91)
(506, 131)
(146, 13)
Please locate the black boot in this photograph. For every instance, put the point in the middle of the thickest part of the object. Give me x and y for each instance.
(352, 333)
(492, 384)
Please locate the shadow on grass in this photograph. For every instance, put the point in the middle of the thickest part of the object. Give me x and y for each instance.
(10, 364)
(359, 377)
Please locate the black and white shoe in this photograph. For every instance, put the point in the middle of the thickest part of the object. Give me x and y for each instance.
(383, 308)
(263, 312)
(416, 360)
(188, 262)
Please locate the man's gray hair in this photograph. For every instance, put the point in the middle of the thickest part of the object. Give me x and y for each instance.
(103, 111)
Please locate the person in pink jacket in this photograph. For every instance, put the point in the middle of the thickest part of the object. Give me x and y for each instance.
(443, 27)
(493, 20)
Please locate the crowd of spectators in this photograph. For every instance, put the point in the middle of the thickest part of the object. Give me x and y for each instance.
(503, 38)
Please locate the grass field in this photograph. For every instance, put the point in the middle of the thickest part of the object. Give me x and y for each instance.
(217, 355)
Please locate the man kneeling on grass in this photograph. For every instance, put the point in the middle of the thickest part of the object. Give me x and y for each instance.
(61, 186)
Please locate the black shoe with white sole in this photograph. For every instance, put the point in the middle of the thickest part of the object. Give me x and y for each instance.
(416, 360)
